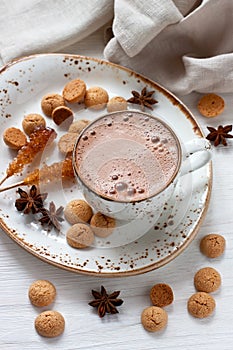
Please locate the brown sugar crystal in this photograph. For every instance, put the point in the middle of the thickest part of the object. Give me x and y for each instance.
(41, 293)
(212, 245)
(50, 324)
(161, 295)
(207, 280)
(154, 319)
(201, 305)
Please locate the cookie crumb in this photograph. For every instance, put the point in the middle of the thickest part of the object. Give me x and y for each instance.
(50, 324)
(212, 245)
(77, 211)
(207, 280)
(51, 101)
(211, 105)
(201, 305)
(80, 236)
(41, 293)
(14, 138)
(102, 225)
(154, 319)
(161, 295)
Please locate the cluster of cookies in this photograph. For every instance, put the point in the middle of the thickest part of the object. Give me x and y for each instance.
(85, 224)
(201, 304)
(48, 323)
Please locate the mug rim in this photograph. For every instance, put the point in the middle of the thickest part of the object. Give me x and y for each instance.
(106, 198)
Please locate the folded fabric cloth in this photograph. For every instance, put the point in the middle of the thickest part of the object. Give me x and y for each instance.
(185, 45)
(38, 26)
(192, 53)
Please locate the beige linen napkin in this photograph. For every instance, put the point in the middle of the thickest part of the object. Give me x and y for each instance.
(38, 26)
(185, 53)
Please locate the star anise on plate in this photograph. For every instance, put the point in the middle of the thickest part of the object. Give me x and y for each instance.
(106, 303)
(219, 135)
(52, 217)
(30, 202)
(144, 99)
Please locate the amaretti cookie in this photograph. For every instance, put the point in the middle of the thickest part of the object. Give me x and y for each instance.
(42, 293)
(78, 125)
(211, 105)
(33, 121)
(207, 280)
(51, 101)
(212, 245)
(14, 138)
(80, 236)
(66, 143)
(62, 114)
(78, 210)
(74, 91)
(50, 324)
(154, 318)
(116, 103)
(161, 295)
(96, 97)
(102, 225)
(201, 305)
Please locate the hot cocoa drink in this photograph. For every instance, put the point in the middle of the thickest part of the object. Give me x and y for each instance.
(127, 156)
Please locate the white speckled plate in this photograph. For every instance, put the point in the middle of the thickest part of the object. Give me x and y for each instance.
(23, 83)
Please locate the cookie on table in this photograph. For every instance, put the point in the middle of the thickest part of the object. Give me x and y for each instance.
(161, 295)
(14, 138)
(33, 121)
(212, 245)
(96, 97)
(66, 143)
(62, 114)
(116, 104)
(80, 236)
(154, 319)
(50, 324)
(211, 105)
(78, 125)
(201, 305)
(207, 280)
(41, 293)
(78, 210)
(102, 225)
(74, 91)
(51, 101)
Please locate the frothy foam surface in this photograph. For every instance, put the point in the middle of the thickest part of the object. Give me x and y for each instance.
(127, 156)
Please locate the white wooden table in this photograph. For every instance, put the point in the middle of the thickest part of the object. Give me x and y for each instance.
(84, 329)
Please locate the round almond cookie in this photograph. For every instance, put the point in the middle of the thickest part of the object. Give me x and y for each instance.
(33, 121)
(102, 225)
(77, 211)
(80, 236)
(41, 293)
(78, 125)
(96, 97)
(211, 105)
(154, 318)
(207, 280)
(66, 143)
(50, 324)
(161, 295)
(74, 91)
(116, 103)
(201, 305)
(14, 138)
(51, 101)
(212, 245)
(62, 114)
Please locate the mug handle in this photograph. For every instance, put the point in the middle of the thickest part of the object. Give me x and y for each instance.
(196, 154)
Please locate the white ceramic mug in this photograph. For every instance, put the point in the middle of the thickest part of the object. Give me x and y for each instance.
(97, 151)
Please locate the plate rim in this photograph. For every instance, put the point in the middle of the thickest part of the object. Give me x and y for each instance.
(198, 130)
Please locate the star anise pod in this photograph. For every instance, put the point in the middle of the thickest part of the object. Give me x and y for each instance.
(144, 99)
(52, 217)
(105, 303)
(219, 135)
(30, 202)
